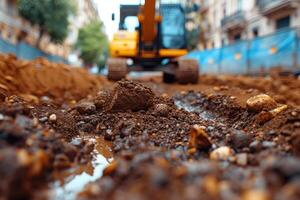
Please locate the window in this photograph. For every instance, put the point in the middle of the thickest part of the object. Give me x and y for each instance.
(10, 8)
(283, 22)
(237, 37)
(255, 32)
(224, 9)
(239, 5)
(172, 26)
(131, 23)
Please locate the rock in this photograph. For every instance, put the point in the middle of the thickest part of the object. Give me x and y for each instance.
(199, 138)
(242, 159)
(101, 100)
(285, 167)
(111, 168)
(263, 117)
(43, 119)
(239, 139)
(255, 146)
(296, 143)
(161, 109)
(3, 95)
(261, 102)
(85, 127)
(29, 98)
(52, 118)
(61, 162)
(86, 107)
(294, 113)
(221, 153)
(255, 194)
(108, 135)
(268, 144)
(128, 95)
(278, 110)
(70, 151)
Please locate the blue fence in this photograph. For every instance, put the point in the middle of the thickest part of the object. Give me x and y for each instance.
(281, 49)
(27, 52)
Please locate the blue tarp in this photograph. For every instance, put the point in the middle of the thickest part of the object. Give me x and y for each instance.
(28, 52)
(25, 51)
(7, 47)
(208, 60)
(298, 52)
(234, 58)
(272, 51)
(279, 49)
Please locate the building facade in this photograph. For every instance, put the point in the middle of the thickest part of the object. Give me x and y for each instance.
(226, 21)
(14, 29)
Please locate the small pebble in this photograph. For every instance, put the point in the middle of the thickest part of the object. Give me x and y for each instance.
(242, 159)
(255, 146)
(53, 118)
(43, 119)
(268, 144)
(221, 153)
(240, 139)
(261, 102)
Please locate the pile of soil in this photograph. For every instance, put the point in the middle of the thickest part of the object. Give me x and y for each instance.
(43, 78)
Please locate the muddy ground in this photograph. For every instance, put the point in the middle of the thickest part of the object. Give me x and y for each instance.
(228, 137)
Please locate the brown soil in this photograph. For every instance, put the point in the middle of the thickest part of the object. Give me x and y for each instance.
(167, 141)
(42, 78)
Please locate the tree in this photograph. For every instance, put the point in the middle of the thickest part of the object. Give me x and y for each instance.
(192, 24)
(92, 43)
(51, 16)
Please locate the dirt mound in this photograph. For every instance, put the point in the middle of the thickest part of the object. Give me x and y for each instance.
(43, 78)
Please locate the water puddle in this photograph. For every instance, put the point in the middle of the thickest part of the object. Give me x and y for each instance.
(195, 109)
(74, 180)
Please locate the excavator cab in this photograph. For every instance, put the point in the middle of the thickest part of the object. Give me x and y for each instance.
(152, 38)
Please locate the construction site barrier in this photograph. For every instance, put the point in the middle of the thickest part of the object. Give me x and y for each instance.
(280, 49)
(27, 52)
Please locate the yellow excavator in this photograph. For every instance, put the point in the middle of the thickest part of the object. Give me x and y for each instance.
(156, 43)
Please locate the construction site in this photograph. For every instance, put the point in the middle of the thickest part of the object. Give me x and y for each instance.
(162, 119)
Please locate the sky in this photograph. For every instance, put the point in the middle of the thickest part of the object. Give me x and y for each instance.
(106, 8)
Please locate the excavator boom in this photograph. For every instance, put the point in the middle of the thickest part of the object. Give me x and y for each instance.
(147, 21)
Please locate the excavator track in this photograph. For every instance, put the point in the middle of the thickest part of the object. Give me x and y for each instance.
(117, 69)
(187, 71)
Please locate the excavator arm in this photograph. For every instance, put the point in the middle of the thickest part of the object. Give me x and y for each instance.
(148, 21)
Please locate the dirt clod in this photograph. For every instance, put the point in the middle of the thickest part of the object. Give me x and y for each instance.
(86, 107)
(296, 143)
(240, 139)
(161, 110)
(128, 95)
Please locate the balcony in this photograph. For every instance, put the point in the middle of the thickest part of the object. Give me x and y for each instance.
(234, 21)
(272, 7)
(14, 21)
(204, 6)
